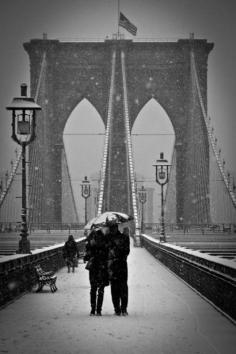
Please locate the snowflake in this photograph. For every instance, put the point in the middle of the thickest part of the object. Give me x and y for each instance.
(12, 285)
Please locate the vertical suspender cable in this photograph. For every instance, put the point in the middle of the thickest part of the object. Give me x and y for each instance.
(107, 135)
(129, 144)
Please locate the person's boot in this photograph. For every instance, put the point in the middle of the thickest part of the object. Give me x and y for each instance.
(124, 312)
(93, 301)
(73, 269)
(117, 312)
(92, 312)
(68, 270)
(100, 301)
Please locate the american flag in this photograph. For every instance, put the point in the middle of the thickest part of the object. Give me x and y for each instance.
(125, 23)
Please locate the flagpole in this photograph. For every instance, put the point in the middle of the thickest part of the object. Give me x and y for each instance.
(118, 26)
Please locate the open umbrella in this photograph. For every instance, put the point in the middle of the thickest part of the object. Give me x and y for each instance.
(111, 216)
(89, 225)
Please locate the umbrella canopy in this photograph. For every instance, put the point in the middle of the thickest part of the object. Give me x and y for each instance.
(89, 225)
(111, 216)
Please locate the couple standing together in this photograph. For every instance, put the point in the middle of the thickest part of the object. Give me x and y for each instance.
(106, 256)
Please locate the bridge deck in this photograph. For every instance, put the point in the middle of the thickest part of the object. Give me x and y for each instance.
(165, 316)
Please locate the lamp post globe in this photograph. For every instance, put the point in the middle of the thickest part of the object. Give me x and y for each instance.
(85, 193)
(142, 196)
(162, 174)
(23, 110)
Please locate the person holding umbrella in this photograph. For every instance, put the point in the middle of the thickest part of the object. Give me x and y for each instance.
(96, 256)
(106, 254)
(119, 249)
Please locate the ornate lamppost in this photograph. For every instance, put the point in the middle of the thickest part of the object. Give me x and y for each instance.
(142, 196)
(162, 177)
(23, 133)
(85, 193)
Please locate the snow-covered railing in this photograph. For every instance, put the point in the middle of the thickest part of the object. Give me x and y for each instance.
(106, 145)
(21, 267)
(201, 272)
(129, 144)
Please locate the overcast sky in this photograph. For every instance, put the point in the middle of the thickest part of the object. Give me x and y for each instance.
(22, 20)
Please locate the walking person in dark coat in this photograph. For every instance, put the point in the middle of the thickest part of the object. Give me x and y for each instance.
(119, 248)
(71, 253)
(96, 254)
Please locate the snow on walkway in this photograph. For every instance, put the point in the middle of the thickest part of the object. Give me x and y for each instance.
(165, 317)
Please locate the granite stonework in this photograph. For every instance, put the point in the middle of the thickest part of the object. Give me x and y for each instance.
(154, 70)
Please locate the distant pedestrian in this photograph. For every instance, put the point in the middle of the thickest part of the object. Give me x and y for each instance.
(96, 256)
(71, 253)
(119, 249)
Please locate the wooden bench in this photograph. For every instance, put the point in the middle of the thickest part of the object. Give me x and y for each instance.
(45, 278)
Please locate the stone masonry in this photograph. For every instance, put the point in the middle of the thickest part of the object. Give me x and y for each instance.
(154, 70)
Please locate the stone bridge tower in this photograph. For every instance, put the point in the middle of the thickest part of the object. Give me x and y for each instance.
(159, 70)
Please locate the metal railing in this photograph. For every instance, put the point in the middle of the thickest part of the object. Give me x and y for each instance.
(155, 228)
(15, 226)
(121, 37)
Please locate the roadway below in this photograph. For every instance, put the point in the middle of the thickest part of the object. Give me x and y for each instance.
(220, 245)
(38, 239)
(165, 317)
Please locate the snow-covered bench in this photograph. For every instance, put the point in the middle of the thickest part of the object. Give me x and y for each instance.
(45, 278)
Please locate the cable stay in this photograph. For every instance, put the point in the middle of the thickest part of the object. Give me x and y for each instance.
(219, 174)
(15, 168)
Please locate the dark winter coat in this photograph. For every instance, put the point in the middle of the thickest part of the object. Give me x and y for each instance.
(96, 254)
(70, 251)
(119, 249)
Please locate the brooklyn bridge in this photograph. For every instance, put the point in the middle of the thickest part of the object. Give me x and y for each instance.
(181, 267)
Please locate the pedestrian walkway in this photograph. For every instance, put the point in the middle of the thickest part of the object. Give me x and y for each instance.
(165, 317)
